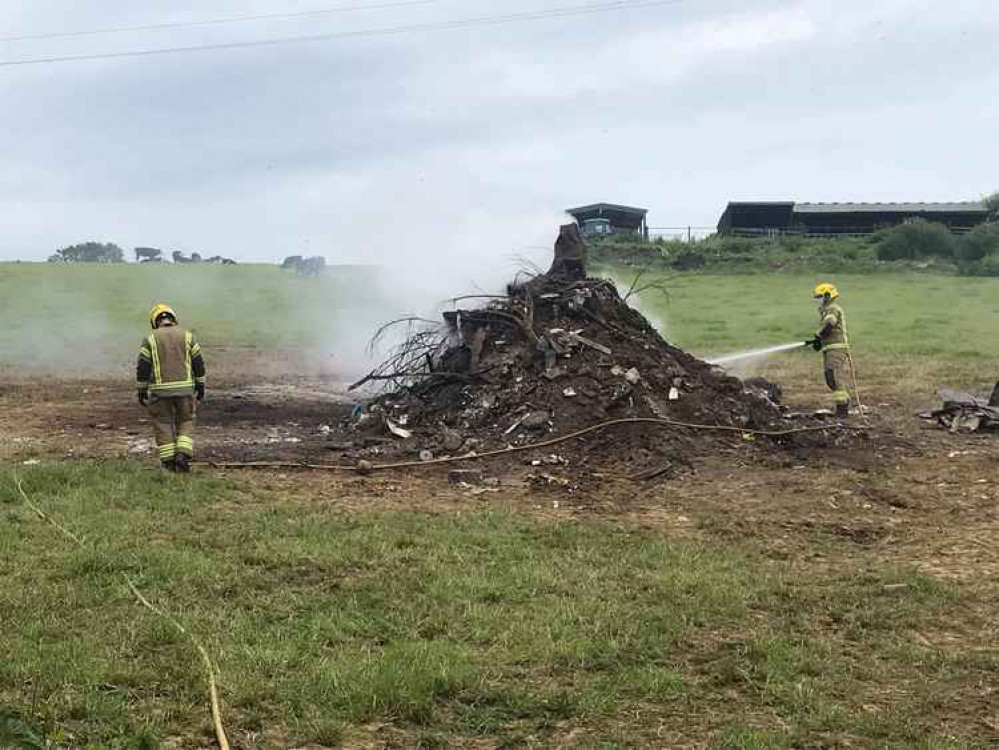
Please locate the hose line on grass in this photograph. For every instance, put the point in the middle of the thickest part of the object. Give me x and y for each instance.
(853, 376)
(655, 422)
(210, 670)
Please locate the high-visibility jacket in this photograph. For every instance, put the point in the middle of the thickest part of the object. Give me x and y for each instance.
(833, 330)
(170, 362)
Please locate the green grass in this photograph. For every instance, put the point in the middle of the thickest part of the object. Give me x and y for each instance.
(889, 316)
(464, 628)
(68, 312)
(60, 308)
(448, 628)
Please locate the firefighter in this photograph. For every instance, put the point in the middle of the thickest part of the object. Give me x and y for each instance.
(834, 344)
(170, 373)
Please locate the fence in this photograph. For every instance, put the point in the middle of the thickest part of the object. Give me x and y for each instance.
(864, 231)
(682, 234)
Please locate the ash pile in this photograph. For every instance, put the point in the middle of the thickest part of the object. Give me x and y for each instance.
(558, 353)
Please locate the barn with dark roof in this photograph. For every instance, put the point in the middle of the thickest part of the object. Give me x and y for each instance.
(787, 217)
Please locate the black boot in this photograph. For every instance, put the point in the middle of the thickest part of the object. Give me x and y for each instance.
(183, 463)
(169, 465)
(842, 411)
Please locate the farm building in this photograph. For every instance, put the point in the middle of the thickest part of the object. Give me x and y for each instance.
(785, 217)
(609, 218)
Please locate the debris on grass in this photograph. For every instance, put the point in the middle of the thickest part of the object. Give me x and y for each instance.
(963, 412)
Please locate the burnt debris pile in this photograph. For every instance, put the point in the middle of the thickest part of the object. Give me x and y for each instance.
(558, 353)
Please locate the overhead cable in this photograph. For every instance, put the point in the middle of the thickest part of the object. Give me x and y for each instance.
(395, 4)
(566, 11)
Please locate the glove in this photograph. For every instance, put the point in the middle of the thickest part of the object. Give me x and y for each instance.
(144, 397)
(199, 390)
(815, 343)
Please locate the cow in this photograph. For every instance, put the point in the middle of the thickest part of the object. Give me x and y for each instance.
(305, 266)
(147, 254)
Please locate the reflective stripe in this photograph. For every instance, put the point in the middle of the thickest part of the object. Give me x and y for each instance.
(144, 352)
(841, 397)
(167, 451)
(188, 345)
(835, 347)
(185, 445)
(157, 373)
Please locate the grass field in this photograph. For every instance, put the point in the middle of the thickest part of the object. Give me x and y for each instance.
(888, 316)
(456, 627)
(340, 620)
(916, 316)
(913, 332)
(97, 313)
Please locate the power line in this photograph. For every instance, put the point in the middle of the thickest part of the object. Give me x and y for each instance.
(566, 11)
(217, 21)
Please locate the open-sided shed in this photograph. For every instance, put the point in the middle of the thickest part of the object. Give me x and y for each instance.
(618, 219)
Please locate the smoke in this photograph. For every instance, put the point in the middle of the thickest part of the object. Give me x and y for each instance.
(55, 323)
(87, 320)
(399, 239)
(394, 292)
(644, 306)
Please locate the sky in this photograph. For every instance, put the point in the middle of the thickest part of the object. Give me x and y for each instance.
(459, 148)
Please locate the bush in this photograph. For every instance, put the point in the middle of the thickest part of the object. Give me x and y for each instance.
(992, 204)
(917, 239)
(689, 260)
(89, 252)
(987, 266)
(979, 243)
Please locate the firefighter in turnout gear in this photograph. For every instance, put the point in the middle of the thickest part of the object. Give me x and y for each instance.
(170, 373)
(834, 344)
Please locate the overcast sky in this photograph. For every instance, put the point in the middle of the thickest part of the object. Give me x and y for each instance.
(443, 146)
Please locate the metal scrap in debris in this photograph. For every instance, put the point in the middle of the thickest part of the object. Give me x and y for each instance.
(398, 431)
(963, 412)
(590, 343)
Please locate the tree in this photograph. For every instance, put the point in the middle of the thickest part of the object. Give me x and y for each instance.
(89, 252)
(992, 204)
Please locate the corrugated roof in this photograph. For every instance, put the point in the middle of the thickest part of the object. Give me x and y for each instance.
(852, 208)
(761, 203)
(607, 207)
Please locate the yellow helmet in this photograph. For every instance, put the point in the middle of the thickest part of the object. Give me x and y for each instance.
(823, 289)
(159, 310)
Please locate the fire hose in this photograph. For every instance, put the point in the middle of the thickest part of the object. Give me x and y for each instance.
(210, 670)
(363, 467)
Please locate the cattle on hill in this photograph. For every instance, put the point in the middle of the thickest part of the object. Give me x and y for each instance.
(304, 266)
(148, 254)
